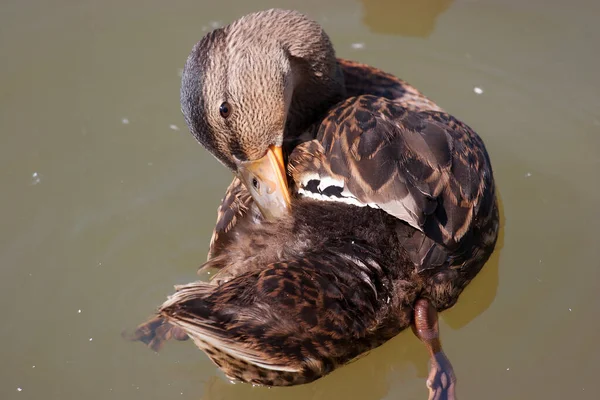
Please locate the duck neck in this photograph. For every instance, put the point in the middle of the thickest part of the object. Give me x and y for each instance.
(317, 79)
(316, 88)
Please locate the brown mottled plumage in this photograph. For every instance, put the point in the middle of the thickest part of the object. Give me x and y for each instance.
(359, 79)
(393, 210)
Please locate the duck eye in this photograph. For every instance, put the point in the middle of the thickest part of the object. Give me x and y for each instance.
(225, 109)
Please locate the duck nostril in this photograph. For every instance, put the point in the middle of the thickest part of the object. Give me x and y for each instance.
(255, 183)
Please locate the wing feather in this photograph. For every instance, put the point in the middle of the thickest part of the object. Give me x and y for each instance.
(421, 166)
(237, 207)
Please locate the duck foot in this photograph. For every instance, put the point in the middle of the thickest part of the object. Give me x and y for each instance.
(155, 332)
(441, 381)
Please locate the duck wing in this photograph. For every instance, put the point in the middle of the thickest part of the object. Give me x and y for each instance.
(237, 207)
(361, 79)
(422, 166)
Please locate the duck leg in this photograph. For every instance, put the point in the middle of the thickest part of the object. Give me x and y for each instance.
(441, 381)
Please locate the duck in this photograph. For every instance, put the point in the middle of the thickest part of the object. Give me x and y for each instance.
(358, 208)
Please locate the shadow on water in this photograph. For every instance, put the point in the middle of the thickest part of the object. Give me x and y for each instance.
(403, 17)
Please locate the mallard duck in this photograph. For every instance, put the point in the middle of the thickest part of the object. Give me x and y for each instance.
(358, 207)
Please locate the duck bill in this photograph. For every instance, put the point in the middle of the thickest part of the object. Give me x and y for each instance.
(266, 181)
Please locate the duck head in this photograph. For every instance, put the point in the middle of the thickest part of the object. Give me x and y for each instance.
(253, 86)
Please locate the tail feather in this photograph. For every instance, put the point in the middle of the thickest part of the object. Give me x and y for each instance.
(158, 330)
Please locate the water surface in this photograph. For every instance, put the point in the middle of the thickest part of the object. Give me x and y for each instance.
(107, 201)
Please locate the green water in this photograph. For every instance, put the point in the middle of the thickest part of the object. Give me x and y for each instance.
(107, 201)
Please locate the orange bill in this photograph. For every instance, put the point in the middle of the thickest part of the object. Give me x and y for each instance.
(266, 181)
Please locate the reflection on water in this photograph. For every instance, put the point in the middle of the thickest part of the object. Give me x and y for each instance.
(105, 205)
(403, 17)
